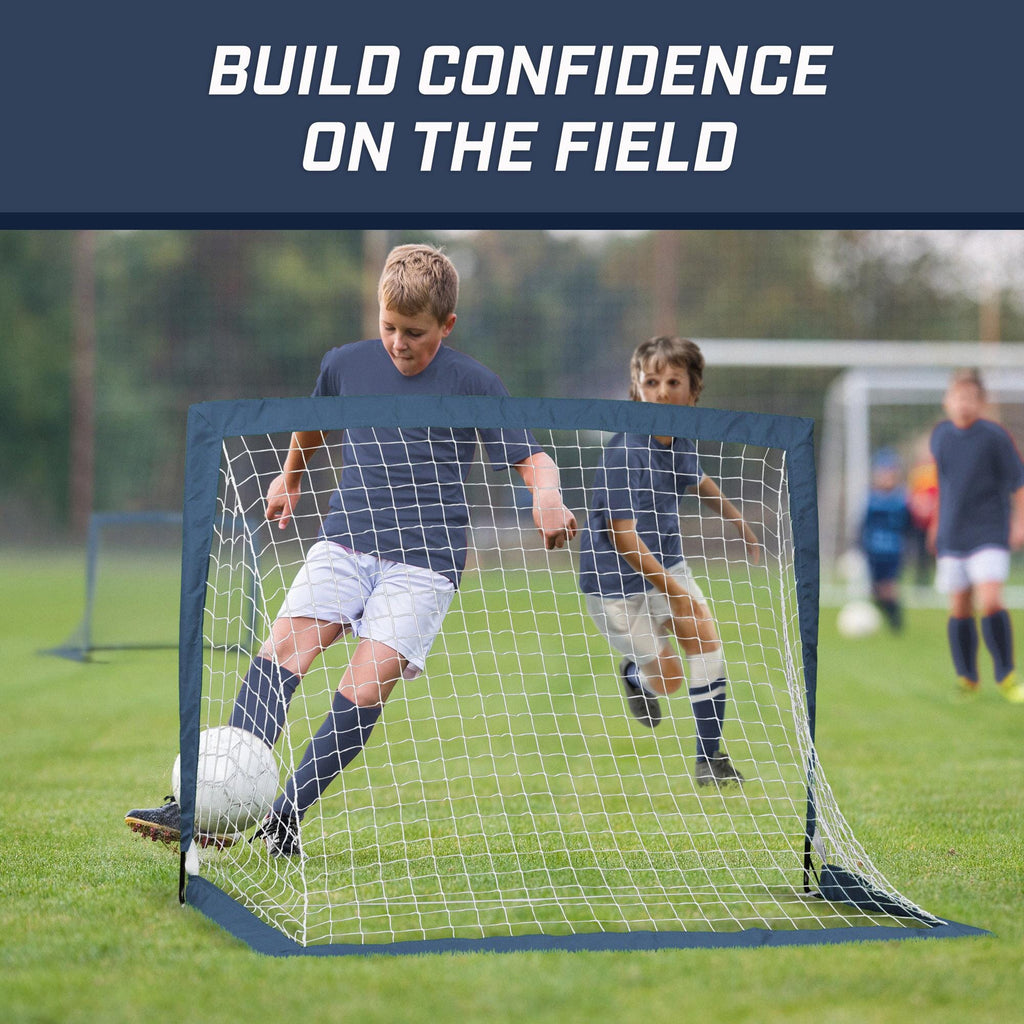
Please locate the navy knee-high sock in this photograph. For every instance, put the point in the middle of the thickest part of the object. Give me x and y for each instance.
(262, 702)
(963, 646)
(338, 741)
(708, 703)
(998, 633)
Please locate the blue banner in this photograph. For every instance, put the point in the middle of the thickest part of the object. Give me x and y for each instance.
(533, 114)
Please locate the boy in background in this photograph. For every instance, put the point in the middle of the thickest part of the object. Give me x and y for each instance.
(883, 534)
(639, 590)
(981, 518)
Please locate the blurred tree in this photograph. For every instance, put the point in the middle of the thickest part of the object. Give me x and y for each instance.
(35, 332)
(188, 316)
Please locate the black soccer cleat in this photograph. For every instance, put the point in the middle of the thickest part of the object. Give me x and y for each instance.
(280, 835)
(163, 825)
(718, 771)
(643, 706)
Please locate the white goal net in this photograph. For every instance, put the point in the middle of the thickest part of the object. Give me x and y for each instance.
(507, 792)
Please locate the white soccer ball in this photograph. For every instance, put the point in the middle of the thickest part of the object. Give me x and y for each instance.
(859, 619)
(236, 780)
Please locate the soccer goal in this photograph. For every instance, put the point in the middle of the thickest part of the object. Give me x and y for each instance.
(506, 799)
(133, 583)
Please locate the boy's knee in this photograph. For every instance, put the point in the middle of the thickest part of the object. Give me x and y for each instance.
(368, 694)
(668, 668)
(707, 666)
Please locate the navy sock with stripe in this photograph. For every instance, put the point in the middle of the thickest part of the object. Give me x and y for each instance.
(338, 741)
(963, 646)
(998, 633)
(262, 701)
(708, 703)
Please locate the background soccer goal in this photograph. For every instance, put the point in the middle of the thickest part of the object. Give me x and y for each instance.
(507, 799)
(132, 574)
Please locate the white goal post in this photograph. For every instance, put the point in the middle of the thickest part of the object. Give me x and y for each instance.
(880, 394)
(506, 799)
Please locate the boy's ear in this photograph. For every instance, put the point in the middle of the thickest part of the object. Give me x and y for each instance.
(447, 325)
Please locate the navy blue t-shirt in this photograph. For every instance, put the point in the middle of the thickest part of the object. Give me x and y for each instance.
(641, 479)
(886, 523)
(979, 468)
(401, 493)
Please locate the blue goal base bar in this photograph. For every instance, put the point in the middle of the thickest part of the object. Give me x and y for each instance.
(263, 938)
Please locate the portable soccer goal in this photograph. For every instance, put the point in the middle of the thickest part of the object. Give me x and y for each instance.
(506, 799)
(133, 584)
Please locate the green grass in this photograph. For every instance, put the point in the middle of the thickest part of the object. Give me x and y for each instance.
(91, 930)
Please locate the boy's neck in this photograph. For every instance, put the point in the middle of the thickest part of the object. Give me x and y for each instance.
(963, 424)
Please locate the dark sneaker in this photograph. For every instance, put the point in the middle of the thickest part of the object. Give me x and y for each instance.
(643, 706)
(1011, 689)
(718, 771)
(280, 836)
(163, 825)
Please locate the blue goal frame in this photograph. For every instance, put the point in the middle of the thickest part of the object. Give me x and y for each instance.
(210, 423)
(79, 646)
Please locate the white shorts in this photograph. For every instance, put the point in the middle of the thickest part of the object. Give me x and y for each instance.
(637, 625)
(954, 573)
(396, 604)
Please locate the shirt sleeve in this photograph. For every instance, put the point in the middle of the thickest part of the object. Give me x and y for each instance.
(504, 448)
(1010, 462)
(328, 381)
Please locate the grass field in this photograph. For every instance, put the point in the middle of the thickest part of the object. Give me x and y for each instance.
(92, 930)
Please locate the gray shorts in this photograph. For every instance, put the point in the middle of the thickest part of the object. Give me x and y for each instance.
(396, 604)
(638, 625)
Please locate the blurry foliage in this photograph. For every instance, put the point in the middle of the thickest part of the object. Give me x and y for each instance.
(187, 316)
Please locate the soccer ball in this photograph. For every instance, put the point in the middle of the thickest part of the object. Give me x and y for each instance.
(858, 619)
(236, 781)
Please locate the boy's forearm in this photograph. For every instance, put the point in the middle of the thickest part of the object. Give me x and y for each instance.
(303, 446)
(540, 474)
(711, 494)
(1017, 519)
(628, 543)
(556, 523)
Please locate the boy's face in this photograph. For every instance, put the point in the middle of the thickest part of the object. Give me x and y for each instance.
(964, 403)
(412, 341)
(886, 478)
(665, 385)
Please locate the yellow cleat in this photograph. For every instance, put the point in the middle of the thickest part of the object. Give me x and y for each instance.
(967, 685)
(1011, 689)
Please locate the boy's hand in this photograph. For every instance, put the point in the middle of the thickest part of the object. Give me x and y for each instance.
(752, 544)
(556, 523)
(282, 497)
(1017, 534)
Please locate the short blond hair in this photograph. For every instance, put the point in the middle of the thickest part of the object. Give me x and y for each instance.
(418, 279)
(661, 351)
(968, 375)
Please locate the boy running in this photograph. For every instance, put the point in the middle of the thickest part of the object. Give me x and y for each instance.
(639, 590)
(981, 517)
(393, 546)
(883, 534)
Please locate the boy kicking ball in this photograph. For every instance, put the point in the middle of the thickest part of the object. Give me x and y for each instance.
(393, 547)
(639, 590)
